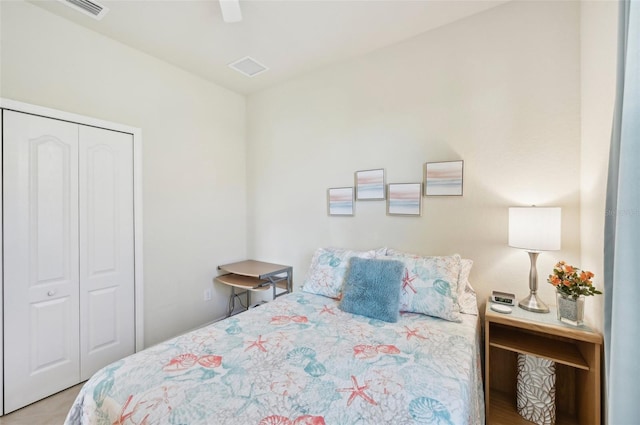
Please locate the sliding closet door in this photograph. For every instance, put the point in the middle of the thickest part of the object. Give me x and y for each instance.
(106, 248)
(41, 299)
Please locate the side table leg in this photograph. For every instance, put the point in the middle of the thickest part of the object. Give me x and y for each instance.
(232, 302)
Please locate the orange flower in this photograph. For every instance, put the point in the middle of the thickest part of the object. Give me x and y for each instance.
(570, 280)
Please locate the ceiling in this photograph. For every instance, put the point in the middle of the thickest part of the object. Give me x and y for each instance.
(290, 37)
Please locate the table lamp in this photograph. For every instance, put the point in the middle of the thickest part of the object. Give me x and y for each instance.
(534, 229)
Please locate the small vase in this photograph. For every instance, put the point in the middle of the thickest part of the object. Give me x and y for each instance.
(570, 310)
(536, 389)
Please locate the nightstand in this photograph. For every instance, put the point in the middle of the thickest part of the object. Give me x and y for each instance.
(575, 350)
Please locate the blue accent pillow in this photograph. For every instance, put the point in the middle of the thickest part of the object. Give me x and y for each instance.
(372, 288)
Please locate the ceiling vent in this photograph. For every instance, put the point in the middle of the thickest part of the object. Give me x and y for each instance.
(248, 66)
(88, 7)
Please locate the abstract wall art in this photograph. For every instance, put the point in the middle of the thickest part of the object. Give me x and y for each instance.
(340, 201)
(370, 185)
(404, 199)
(443, 178)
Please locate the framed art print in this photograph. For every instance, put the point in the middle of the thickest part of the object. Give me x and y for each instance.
(443, 178)
(370, 185)
(404, 199)
(340, 201)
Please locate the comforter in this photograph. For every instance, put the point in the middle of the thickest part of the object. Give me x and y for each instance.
(296, 360)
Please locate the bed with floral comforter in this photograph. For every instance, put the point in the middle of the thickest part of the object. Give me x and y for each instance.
(296, 360)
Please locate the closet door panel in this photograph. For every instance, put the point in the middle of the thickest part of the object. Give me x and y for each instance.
(41, 297)
(106, 248)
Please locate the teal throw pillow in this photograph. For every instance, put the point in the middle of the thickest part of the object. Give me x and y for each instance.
(372, 288)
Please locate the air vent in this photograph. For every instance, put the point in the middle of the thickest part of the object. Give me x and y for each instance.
(91, 8)
(248, 66)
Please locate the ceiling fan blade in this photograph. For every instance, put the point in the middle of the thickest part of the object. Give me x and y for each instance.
(230, 11)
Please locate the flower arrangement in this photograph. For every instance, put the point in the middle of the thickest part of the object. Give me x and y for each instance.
(571, 281)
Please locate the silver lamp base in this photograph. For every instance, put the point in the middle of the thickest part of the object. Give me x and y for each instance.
(533, 303)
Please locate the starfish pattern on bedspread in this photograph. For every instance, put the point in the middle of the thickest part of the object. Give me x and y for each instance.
(357, 391)
(258, 344)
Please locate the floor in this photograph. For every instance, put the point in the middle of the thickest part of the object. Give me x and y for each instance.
(50, 411)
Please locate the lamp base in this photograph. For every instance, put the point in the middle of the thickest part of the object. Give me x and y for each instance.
(533, 303)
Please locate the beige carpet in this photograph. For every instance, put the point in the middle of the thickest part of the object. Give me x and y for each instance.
(50, 411)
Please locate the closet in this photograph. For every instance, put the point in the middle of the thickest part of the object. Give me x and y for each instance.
(70, 281)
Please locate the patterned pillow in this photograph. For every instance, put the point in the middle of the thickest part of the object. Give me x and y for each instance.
(372, 288)
(328, 270)
(430, 285)
(452, 267)
(466, 295)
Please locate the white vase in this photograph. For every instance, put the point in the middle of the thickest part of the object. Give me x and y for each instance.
(570, 310)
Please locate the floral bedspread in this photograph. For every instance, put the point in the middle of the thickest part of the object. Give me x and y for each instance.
(296, 360)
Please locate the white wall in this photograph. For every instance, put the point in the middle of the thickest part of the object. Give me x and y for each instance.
(500, 90)
(194, 183)
(598, 68)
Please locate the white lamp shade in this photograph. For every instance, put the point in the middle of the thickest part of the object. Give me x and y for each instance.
(535, 228)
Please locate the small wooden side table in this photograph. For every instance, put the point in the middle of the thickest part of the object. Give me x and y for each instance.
(575, 350)
(252, 275)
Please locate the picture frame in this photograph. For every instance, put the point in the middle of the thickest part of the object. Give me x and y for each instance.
(445, 178)
(340, 201)
(404, 199)
(370, 185)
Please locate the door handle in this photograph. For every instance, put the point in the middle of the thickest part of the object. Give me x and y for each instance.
(51, 293)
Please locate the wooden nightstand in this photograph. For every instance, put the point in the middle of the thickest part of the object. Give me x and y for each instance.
(576, 351)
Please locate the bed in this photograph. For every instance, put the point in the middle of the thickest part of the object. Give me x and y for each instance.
(299, 359)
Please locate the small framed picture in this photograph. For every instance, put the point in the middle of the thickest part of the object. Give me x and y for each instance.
(340, 201)
(404, 199)
(443, 178)
(370, 185)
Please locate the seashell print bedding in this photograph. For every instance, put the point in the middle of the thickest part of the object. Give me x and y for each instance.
(296, 360)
